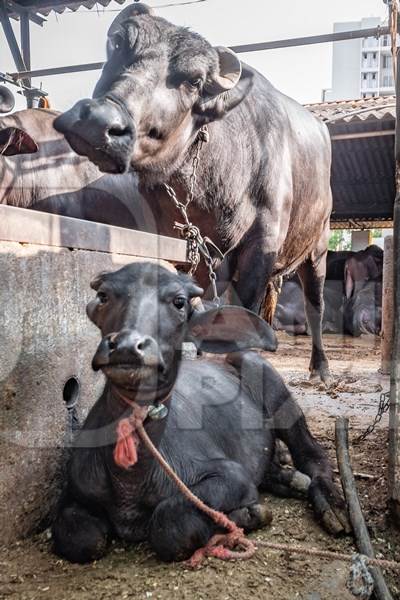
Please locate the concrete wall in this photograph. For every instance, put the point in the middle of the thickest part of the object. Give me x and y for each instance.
(45, 340)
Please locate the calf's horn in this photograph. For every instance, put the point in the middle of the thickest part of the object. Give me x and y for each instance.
(230, 70)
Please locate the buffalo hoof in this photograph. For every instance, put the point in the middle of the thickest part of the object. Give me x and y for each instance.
(322, 375)
(252, 517)
(329, 507)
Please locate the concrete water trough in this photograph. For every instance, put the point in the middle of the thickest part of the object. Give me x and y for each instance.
(46, 382)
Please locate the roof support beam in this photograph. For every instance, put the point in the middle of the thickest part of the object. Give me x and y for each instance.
(58, 70)
(15, 50)
(362, 134)
(10, 36)
(316, 39)
(13, 7)
(26, 52)
(313, 39)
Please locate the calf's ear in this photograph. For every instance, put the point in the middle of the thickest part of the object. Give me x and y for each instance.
(16, 141)
(230, 329)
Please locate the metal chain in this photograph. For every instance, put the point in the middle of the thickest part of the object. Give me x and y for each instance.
(198, 246)
(202, 138)
(384, 404)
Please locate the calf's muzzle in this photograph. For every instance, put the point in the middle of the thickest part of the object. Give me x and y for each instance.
(128, 348)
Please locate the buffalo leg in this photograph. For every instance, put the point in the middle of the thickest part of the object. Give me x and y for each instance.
(283, 417)
(285, 481)
(312, 276)
(79, 535)
(255, 268)
(310, 458)
(178, 528)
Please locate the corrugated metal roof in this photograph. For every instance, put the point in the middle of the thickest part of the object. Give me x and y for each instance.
(363, 178)
(363, 109)
(363, 164)
(45, 7)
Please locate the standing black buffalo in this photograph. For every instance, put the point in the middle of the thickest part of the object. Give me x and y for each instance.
(219, 436)
(263, 183)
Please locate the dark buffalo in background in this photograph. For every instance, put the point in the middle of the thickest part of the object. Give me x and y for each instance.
(39, 170)
(262, 192)
(352, 295)
(220, 434)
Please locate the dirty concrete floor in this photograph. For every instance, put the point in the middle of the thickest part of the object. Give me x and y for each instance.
(28, 569)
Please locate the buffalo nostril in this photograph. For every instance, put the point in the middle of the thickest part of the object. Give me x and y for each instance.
(155, 134)
(119, 131)
(142, 344)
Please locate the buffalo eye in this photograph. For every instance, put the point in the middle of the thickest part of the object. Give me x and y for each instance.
(102, 297)
(179, 302)
(194, 83)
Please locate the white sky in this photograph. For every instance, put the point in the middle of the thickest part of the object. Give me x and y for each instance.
(300, 72)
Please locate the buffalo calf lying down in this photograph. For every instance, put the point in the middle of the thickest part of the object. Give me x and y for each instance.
(224, 418)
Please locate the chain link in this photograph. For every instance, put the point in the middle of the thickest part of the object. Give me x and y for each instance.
(198, 246)
(384, 404)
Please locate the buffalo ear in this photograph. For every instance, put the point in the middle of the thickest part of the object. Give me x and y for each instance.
(228, 74)
(210, 108)
(230, 329)
(14, 140)
(97, 281)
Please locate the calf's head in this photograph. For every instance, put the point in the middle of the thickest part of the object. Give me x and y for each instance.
(160, 84)
(144, 312)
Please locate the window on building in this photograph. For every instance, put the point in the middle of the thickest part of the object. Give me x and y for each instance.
(388, 81)
(373, 75)
(364, 76)
(374, 55)
(387, 62)
(365, 56)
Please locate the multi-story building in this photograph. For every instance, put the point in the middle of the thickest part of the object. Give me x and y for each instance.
(361, 68)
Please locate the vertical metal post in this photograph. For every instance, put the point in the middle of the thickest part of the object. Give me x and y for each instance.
(387, 307)
(394, 416)
(12, 41)
(26, 51)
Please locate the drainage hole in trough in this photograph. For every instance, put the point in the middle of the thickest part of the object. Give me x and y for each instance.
(71, 392)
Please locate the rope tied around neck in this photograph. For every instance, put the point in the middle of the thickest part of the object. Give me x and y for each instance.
(125, 451)
(130, 432)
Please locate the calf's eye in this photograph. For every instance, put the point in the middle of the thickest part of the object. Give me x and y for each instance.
(179, 302)
(102, 297)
